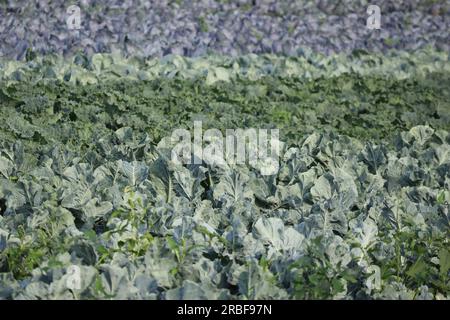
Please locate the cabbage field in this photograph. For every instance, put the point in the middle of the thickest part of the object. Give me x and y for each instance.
(93, 205)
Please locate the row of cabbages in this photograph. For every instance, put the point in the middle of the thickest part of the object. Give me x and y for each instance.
(193, 28)
(341, 219)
